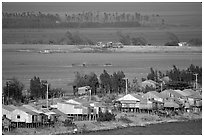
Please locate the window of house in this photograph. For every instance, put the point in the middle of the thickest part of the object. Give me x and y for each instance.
(18, 116)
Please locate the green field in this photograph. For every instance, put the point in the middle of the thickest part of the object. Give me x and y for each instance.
(153, 35)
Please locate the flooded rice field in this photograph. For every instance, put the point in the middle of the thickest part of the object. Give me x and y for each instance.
(59, 68)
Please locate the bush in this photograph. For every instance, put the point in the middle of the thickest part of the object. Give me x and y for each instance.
(124, 39)
(68, 123)
(195, 42)
(171, 43)
(107, 116)
(139, 41)
(76, 39)
(125, 120)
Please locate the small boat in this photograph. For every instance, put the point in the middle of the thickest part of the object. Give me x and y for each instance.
(45, 51)
(107, 64)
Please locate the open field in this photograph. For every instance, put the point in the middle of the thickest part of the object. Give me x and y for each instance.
(153, 35)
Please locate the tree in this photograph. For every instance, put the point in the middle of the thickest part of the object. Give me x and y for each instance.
(124, 39)
(35, 87)
(179, 78)
(93, 82)
(121, 81)
(117, 82)
(86, 80)
(195, 42)
(43, 88)
(152, 75)
(105, 81)
(26, 96)
(114, 83)
(38, 88)
(55, 93)
(173, 39)
(13, 91)
(135, 87)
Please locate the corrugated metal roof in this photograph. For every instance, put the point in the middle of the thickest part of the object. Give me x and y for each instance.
(48, 112)
(171, 105)
(9, 107)
(156, 94)
(189, 91)
(27, 110)
(58, 112)
(181, 92)
(172, 92)
(32, 108)
(64, 102)
(196, 96)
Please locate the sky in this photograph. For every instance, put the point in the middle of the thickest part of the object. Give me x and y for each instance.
(165, 8)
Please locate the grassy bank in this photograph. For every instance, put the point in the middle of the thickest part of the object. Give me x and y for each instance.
(134, 119)
(158, 49)
(94, 49)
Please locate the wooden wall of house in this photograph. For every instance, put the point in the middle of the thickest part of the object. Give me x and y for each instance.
(7, 113)
(69, 108)
(24, 117)
(131, 105)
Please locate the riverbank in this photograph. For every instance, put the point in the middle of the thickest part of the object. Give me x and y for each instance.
(84, 127)
(190, 127)
(135, 120)
(63, 49)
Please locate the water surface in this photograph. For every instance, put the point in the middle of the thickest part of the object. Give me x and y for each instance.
(177, 128)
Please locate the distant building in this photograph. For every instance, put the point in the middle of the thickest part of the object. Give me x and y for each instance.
(149, 83)
(129, 102)
(79, 108)
(153, 95)
(84, 90)
(22, 114)
(181, 44)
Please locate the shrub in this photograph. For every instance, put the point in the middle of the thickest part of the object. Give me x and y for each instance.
(124, 39)
(107, 116)
(125, 119)
(68, 123)
(76, 39)
(139, 41)
(195, 42)
(171, 43)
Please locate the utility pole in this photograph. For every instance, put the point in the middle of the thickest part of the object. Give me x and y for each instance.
(7, 84)
(3, 99)
(196, 80)
(126, 87)
(90, 95)
(47, 95)
(161, 86)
